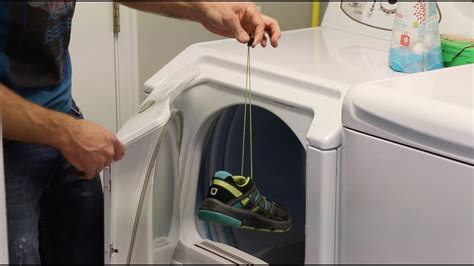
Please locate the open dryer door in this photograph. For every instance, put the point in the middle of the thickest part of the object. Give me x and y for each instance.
(142, 190)
(3, 210)
(141, 195)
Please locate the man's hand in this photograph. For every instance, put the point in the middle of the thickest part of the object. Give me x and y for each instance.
(229, 19)
(89, 147)
(238, 20)
(86, 146)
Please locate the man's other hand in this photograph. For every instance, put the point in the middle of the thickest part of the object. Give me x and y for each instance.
(89, 147)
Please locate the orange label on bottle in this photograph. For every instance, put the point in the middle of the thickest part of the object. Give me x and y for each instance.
(405, 40)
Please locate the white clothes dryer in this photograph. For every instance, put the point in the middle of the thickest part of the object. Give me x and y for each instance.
(407, 175)
(190, 126)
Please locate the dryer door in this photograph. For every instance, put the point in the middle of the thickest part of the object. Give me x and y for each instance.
(3, 210)
(141, 190)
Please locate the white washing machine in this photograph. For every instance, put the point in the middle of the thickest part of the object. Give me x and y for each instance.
(190, 126)
(407, 181)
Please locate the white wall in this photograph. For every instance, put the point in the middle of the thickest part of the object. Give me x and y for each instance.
(160, 39)
(92, 50)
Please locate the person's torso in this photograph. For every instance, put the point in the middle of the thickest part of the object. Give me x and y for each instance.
(34, 58)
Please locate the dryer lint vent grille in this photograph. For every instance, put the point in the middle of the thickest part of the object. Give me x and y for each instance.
(229, 253)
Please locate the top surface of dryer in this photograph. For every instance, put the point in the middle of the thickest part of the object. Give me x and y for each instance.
(344, 57)
(432, 111)
(314, 53)
(311, 69)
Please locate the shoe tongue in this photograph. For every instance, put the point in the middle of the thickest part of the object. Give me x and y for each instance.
(222, 175)
(241, 180)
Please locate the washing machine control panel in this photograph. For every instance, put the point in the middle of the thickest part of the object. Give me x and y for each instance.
(389, 7)
(377, 14)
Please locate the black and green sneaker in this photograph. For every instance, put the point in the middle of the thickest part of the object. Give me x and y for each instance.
(236, 201)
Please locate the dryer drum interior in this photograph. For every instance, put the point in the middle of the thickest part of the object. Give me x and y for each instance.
(279, 172)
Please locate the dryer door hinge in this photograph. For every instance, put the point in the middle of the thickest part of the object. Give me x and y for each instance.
(112, 250)
(107, 180)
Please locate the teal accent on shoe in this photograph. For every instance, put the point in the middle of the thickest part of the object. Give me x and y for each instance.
(257, 196)
(218, 218)
(265, 207)
(238, 205)
(222, 175)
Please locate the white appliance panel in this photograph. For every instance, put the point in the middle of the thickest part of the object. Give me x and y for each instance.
(321, 178)
(402, 205)
(433, 111)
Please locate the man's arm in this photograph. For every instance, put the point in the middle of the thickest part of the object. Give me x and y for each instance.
(228, 19)
(87, 146)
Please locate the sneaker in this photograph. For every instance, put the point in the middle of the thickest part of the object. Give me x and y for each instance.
(236, 201)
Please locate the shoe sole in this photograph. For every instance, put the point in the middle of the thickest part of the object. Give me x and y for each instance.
(218, 212)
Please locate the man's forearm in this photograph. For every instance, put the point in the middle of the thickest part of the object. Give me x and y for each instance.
(25, 121)
(183, 10)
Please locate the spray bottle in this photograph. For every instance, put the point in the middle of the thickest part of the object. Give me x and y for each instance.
(416, 44)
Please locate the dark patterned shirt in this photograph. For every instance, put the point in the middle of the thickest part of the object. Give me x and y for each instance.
(34, 57)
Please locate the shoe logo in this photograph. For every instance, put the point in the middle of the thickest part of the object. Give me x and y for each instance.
(404, 40)
(214, 191)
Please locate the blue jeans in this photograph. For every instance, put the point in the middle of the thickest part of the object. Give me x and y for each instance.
(53, 216)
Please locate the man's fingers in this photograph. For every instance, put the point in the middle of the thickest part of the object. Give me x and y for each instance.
(259, 32)
(273, 29)
(119, 150)
(223, 32)
(240, 20)
(87, 174)
(264, 41)
(109, 155)
(81, 174)
(253, 17)
(108, 162)
(239, 33)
